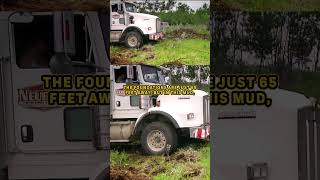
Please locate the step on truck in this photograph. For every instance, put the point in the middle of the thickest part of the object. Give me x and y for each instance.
(39, 141)
(157, 122)
(133, 28)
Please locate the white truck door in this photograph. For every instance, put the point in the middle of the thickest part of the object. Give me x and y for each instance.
(124, 106)
(117, 16)
(40, 127)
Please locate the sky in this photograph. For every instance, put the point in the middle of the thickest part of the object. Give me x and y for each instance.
(194, 4)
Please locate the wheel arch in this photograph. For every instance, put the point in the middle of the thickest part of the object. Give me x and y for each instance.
(129, 29)
(154, 117)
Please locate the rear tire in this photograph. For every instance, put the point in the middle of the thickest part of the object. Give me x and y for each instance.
(156, 137)
(133, 39)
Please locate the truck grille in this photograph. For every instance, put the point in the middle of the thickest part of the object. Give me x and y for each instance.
(206, 109)
(158, 25)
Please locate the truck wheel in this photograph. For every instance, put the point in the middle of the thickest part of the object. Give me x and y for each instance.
(158, 138)
(133, 39)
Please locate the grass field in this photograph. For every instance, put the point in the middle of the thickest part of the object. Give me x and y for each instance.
(191, 161)
(183, 45)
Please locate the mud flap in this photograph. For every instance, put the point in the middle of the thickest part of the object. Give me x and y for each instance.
(202, 132)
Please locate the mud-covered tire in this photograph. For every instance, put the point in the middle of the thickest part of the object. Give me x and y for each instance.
(133, 39)
(152, 137)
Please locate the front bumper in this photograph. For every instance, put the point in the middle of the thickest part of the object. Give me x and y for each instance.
(201, 132)
(156, 36)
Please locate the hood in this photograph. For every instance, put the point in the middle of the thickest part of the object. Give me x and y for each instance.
(143, 16)
(200, 93)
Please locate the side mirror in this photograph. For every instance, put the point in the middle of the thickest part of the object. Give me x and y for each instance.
(61, 64)
(21, 17)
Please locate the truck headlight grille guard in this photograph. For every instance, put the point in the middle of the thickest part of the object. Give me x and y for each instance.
(206, 109)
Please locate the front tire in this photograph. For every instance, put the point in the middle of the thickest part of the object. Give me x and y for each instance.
(133, 39)
(158, 138)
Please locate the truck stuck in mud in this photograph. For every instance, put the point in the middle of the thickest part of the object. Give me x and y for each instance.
(158, 122)
(130, 27)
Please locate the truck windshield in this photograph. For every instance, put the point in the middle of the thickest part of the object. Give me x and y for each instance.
(131, 8)
(152, 75)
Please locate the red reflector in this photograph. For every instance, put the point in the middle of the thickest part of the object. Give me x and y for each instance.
(199, 133)
(67, 31)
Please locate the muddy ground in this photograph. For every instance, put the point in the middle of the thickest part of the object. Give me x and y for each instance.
(141, 167)
(125, 54)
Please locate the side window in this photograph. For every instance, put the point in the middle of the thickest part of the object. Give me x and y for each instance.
(78, 124)
(134, 100)
(34, 42)
(120, 75)
(34, 45)
(114, 7)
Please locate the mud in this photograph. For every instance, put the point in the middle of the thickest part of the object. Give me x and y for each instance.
(185, 33)
(127, 173)
(186, 156)
(192, 173)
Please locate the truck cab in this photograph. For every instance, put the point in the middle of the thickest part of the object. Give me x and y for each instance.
(160, 121)
(41, 141)
(131, 27)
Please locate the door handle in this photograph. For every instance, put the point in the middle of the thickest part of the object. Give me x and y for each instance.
(26, 133)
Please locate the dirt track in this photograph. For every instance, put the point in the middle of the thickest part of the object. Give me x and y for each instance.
(142, 167)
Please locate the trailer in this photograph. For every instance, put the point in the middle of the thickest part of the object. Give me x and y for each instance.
(261, 143)
(37, 140)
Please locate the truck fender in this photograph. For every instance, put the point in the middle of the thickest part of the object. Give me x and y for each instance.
(128, 29)
(145, 117)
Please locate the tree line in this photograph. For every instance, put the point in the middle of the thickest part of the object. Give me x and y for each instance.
(175, 13)
(282, 40)
(286, 43)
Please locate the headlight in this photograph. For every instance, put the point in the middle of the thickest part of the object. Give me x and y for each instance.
(190, 116)
(149, 28)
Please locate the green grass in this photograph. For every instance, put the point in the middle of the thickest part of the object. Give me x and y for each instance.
(189, 45)
(184, 51)
(195, 164)
(276, 5)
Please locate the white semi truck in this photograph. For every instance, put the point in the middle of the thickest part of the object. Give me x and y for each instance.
(159, 122)
(131, 27)
(261, 143)
(39, 141)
